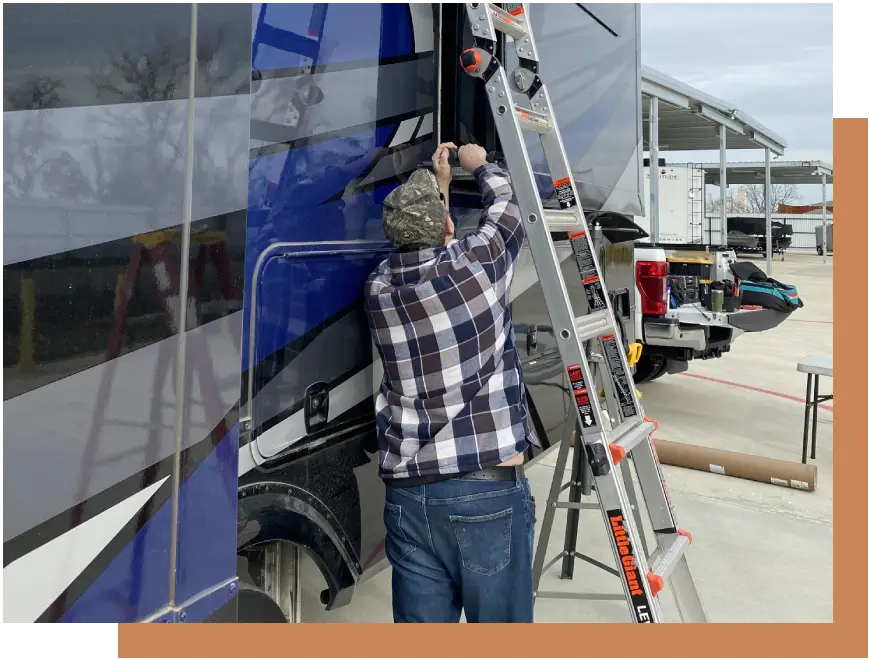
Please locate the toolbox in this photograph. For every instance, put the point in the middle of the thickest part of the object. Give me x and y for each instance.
(699, 266)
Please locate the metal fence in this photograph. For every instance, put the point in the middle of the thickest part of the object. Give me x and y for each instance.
(803, 228)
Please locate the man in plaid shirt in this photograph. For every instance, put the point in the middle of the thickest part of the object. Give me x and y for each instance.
(451, 411)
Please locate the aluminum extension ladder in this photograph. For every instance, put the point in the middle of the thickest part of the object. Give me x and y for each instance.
(521, 102)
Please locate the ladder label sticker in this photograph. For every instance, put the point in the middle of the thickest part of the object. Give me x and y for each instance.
(799, 484)
(565, 193)
(588, 272)
(581, 396)
(716, 468)
(612, 352)
(514, 8)
(637, 592)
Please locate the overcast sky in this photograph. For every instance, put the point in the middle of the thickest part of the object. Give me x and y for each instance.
(772, 61)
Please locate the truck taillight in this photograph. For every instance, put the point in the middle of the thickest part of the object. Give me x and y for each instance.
(652, 281)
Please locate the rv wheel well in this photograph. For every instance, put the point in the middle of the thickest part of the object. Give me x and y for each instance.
(272, 511)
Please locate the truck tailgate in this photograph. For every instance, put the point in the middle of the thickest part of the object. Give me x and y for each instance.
(750, 321)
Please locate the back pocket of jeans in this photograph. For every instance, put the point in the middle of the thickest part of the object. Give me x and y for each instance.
(484, 541)
(398, 544)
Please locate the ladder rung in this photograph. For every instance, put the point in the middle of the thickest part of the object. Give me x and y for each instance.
(135, 425)
(134, 452)
(568, 485)
(591, 326)
(583, 558)
(667, 561)
(595, 563)
(562, 221)
(591, 596)
(532, 121)
(290, 42)
(513, 26)
(625, 441)
(576, 506)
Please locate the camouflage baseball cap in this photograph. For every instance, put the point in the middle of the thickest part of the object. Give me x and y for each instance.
(415, 213)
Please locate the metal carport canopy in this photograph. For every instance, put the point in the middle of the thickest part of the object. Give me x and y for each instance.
(689, 119)
(781, 172)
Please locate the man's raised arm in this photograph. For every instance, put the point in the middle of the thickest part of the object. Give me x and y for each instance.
(498, 241)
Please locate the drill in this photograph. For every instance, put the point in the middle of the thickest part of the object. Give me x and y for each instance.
(492, 156)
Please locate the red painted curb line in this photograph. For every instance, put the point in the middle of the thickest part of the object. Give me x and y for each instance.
(754, 389)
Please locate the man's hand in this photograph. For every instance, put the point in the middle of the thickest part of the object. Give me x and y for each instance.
(471, 157)
(441, 165)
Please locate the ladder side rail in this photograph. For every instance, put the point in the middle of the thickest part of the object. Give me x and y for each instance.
(615, 509)
(511, 114)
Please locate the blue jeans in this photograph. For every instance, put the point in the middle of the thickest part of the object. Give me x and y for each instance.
(461, 544)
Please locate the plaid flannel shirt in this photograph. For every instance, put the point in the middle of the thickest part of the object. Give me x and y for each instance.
(452, 398)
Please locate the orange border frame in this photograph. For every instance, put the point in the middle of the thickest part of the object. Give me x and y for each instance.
(845, 637)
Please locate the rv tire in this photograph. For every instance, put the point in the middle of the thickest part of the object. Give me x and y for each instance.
(256, 606)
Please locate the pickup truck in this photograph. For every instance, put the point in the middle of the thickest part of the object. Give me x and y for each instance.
(636, 273)
(672, 336)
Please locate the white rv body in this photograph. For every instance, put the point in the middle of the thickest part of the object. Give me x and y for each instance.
(681, 204)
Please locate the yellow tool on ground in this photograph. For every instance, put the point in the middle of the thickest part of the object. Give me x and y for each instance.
(634, 351)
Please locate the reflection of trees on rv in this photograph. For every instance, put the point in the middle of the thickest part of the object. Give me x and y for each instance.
(42, 161)
(159, 73)
(25, 164)
(92, 176)
(35, 94)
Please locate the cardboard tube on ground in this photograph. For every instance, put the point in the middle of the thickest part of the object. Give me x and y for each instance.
(791, 474)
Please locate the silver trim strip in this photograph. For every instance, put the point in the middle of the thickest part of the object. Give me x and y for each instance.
(183, 288)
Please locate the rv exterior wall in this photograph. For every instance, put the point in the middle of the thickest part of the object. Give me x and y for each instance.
(594, 82)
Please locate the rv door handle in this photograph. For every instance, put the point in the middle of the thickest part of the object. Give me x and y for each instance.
(316, 406)
(532, 338)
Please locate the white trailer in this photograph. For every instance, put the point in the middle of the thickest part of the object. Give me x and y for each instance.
(681, 204)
